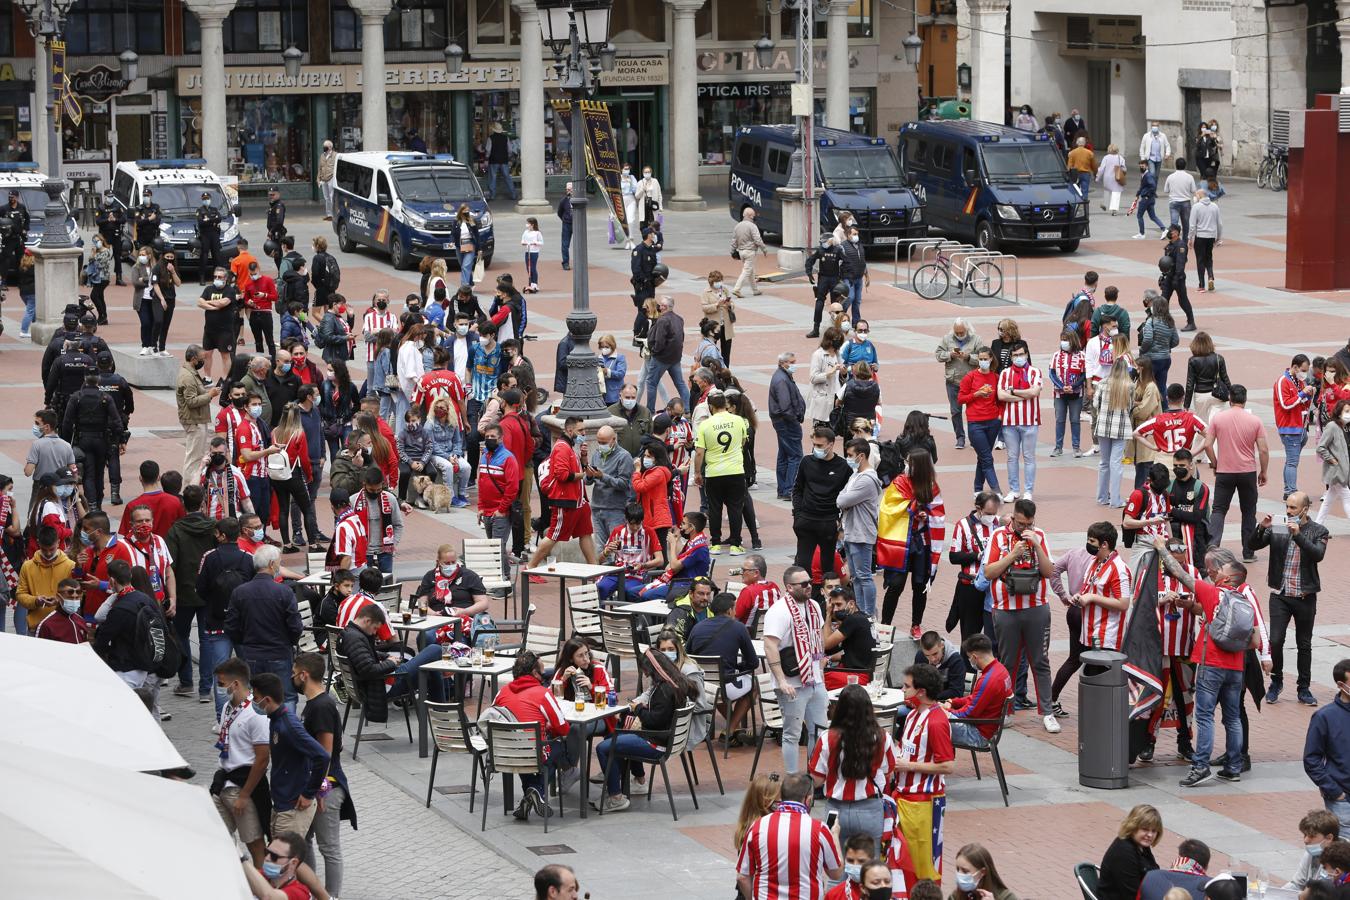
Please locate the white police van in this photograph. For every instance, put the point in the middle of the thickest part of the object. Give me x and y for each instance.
(25, 178)
(404, 204)
(177, 186)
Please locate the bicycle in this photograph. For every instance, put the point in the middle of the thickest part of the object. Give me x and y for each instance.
(981, 274)
(1273, 173)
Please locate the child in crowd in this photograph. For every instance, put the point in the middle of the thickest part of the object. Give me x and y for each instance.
(533, 242)
(1320, 828)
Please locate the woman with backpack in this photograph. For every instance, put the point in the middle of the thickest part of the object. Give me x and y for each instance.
(1157, 336)
(382, 382)
(338, 402)
(285, 469)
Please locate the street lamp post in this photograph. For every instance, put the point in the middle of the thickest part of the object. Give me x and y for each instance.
(45, 18)
(578, 34)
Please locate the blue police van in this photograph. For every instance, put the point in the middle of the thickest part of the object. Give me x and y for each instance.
(993, 185)
(859, 174)
(27, 179)
(404, 204)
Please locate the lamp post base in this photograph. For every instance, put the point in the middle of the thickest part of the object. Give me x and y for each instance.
(686, 203)
(57, 283)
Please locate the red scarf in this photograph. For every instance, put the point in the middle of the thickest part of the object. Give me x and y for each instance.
(807, 621)
(386, 517)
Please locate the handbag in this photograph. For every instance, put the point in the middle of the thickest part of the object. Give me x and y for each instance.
(478, 269)
(735, 254)
(1120, 174)
(1022, 582)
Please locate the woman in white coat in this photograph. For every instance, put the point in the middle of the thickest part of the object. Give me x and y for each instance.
(1111, 175)
(649, 199)
(825, 371)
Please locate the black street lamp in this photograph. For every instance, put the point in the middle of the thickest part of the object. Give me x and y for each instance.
(577, 31)
(45, 18)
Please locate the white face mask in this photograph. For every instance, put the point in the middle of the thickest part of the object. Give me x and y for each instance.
(1345, 417)
(70, 607)
(461, 330)
(606, 351)
(628, 402)
(219, 282)
(1064, 345)
(984, 365)
(853, 239)
(143, 260)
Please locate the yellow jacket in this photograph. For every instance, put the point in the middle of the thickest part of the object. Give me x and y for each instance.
(39, 578)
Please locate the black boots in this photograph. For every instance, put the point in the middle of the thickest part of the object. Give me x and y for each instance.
(116, 494)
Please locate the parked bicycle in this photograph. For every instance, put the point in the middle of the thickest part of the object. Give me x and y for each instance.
(981, 274)
(1273, 173)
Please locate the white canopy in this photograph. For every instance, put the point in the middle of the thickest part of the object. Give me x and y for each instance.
(74, 828)
(61, 697)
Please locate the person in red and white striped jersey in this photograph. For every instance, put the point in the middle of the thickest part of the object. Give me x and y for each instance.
(759, 593)
(1107, 591)
(854, 760)
(787, 855)
(1176, 624)
(970, 536)
(1173, 429)
(1019, 393)
(926, 759)
(1149, 509)
(368, 583)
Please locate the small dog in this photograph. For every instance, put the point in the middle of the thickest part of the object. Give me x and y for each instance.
(435, 497)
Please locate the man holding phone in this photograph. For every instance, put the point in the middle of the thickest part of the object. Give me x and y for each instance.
(1297, 545)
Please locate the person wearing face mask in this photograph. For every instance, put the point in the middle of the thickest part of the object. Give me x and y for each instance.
(978, 393)
(609, 475)
(564, 212)
(1019, 392)
(40, 577)
(613, 368)
(151, 553)
(65, 623)
(299, 764)
(969, 538)
(787, 848)
(208, 233)
(219, 302)
(100, 549)
(323, 721)
(720, 308)
(284, 875)
(499, 480)
(111, 220)
(326, 177)
(118, 636)
(570, 514)
(1319, 829)
(1148, 511)
(259, 293)
(628, 185)
(858, 853)
(692, 561)
(859, 348)
(146, 218)
(253, 440)
(787, 410)
(859, 502)
(976, 876)
(648, 197)
(1154, 148)
(226, 488)
(853, 274)
(1334, 450)
(1292, 398)
(375, 320)
(262, 620)
(637, 419)
(1296, 551)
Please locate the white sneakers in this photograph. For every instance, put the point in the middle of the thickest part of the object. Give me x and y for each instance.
(1026, 495)
(146, 351)
(1009, 497)
(1138, 237)
(1052, 725)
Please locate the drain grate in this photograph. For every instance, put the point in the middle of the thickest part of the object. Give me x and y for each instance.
(377, 736)
(550, 850)
(1267, 216)
(453, 789)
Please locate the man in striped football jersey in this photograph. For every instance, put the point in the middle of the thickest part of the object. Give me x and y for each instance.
(787, 855)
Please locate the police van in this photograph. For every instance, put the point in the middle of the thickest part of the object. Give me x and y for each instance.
(858, 173)
(25, 178)
(177, 186)
(404, 204)
(993, 185)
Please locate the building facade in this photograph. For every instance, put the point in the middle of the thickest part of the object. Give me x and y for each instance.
(211, 83)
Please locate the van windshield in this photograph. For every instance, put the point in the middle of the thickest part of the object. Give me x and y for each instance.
(1031, 163)
(181, 198)
(435, 184)
(869, 167)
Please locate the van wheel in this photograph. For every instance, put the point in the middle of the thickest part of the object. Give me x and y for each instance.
(985, 237)
(1069, 246)
(345, 242)
(398, 257)
(487, 260)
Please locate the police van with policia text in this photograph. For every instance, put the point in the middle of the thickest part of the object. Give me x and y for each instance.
(176, 187)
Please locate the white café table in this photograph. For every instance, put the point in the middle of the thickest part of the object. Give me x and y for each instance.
(562, 571)
(888, 698)
(499, 666)
(585, 716)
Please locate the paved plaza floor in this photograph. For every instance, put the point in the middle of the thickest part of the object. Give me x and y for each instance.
(403, 850)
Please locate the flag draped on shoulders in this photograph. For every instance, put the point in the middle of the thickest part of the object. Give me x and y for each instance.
(906, 526)
(1143, 642)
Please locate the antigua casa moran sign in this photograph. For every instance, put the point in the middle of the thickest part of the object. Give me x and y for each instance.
(643, 71)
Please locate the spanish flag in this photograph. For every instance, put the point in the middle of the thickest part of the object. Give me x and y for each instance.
(904, 522)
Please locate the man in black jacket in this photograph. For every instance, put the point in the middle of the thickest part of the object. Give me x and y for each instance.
(371, 667)
(276, 223)
(725, 637)
(787, 409)
(565, 215)
(665, 342)
(1189, 514)
(189, 539)
(1295, 551)
(115, 637)
(943, 655)
(263, 620)
(815, 515)
(93, 424)
(831, 259)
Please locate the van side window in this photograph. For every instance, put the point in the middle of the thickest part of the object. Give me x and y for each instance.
(382, 186)
(122, 185)
(969, 168)
(942, 159)
(354, 178)
(779, 161)
(916, 153)
(750, 155)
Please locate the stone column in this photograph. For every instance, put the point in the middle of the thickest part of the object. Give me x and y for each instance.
(836, 66)
(1343, 28)
(532, 201)
(374, 110)
(211, 16)
(683, 183)
(41, 83)
(988, 23)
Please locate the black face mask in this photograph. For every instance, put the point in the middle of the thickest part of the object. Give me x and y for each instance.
(1091, 549)
(217, 460)
(381, 304)
(1159, 487)
(239, 402)
(199, 364)
(491, 444)
(1182, 474)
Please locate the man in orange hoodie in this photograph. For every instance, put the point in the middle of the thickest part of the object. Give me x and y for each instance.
(239, 265)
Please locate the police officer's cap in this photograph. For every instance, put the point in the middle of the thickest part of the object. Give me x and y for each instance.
(206, 195)
(88, 320)
(104, 356)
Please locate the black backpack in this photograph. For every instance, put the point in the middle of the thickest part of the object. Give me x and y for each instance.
(156, 650)
(219, 601)
(334, 274)
(891, 460)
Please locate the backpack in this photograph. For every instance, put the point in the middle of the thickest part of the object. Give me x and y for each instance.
(225, 583)
(890, 461)
(1234, 622)
(279, 467)
(334, 273)
(156, 649)
(1073, 302)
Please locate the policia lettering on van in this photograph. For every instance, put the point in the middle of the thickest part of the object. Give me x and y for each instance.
(993, 185)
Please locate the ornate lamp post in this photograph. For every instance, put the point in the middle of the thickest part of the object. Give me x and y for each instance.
(45, 18)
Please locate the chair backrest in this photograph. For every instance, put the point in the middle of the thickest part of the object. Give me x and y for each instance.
(307, 643)
(316, 562)
(711, 667)
(543, 640)
(584, 601)
(733, 587)
(881, 662)
(617, 632)
(769, 710)
(758, 618)
(483, 556)
(449, 727)
(1004, 715)
(1086, 875)
(391, 596)
(885, 634)
(348, 675)
(886, 719)
(516, 746)
(679, 729)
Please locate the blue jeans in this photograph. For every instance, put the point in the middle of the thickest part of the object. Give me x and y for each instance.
(405, 676)
(1021, 443)
(789, 454)
(1084, 183)
(1180, 213)
(557, 759)
(466, 264)
(967, 735)
(604, 522)
(654, 591)
(1341, 810)
(566, 243)
(532, 268)
(504, 170)
(982, 437)
(854, 302)
(1218, 687)
(20, 618)
(280, 667)
(1160, 369)
(609, 584)
(859, 557)
(1155, 166)
(1068, 407)
(627, 746)
(1110, 469)
(1146, 207)
(29, 312)
(1293, 447)
(215, 649)
(655, 369)
(955, 408)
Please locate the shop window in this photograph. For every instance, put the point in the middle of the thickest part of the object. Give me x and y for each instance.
(269, 138)
(105, 27)
(492, 21)
(859, 17)
(255, 26)
(739, 21)
(637, 20)
(722, 108)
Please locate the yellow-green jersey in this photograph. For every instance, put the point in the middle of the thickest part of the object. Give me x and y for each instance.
(722, 440)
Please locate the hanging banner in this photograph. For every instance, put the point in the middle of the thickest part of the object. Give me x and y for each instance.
(602, 154)
(71, 104)
(58, 72)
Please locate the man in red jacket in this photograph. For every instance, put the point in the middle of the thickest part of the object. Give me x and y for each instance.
(991, 690)
(1293, 395)
(498, 487)
(165, 508)
(259, 293)
(518, 442)
(570, 514)
(530, 700)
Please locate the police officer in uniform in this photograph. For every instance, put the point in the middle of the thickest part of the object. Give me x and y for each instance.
(90, 342)
(643, 264)
(147, 218)
(67, 375)
(830, 257)
(13, 237)
(93, 425)
(116, 387)
(208, 236)
(111, 220)
(276, 224)
(70, 331)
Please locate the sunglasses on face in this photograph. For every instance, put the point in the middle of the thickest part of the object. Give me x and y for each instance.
(276, 857)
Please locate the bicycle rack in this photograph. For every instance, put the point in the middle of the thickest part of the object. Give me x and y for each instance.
(920, 248)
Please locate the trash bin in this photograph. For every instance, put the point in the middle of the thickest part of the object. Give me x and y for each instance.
(1103, 721)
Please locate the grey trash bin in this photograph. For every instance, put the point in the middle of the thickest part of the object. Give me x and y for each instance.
(1103, 721)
